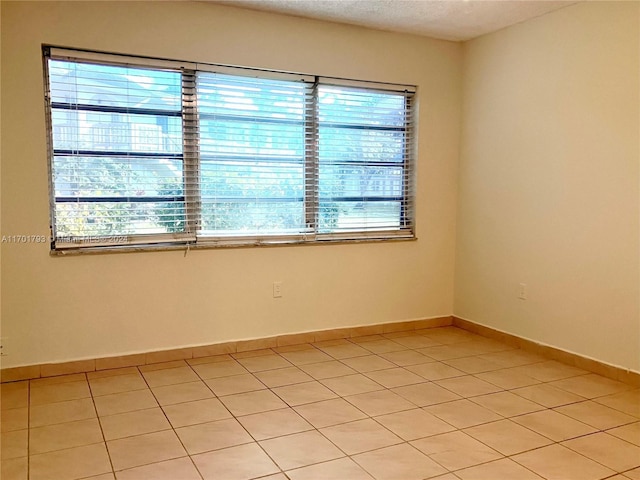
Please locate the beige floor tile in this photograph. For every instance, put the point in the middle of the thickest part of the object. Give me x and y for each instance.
(151, 367)
(425, 394)
(64, 435)
(144, 449)
(507, 437)
(323, 370)
(14, 469)
(463, 413)
(351, 384)
(117, 384)
(104, 476)
(507, 404)
(548, 396)
(14, 419)
(302, 393)
(382, 346)
(74, 377)
(590, 386)
(380, 402)
(550, 370)
(633, 474)
(449, 352)
(252, 402)
(275, 476)
(468, 386)
(181, 392)
(596, 415)
(395, 377)
(414, 424)
(556, 462)
(404, 358)
(125, 402)
(456, 450)
(435, 371)
(14, 444)
(513, 358)
(274, 423)
(236, 463)
(447, 335)
(300, 450)
(507, 378)
(360, 436)
(264, 362)
(630, 433)
(610, 451)
(219, 369)
(305, 357)
(72, 463)
(198, 411)
(170, 376)
(554, 425)
(343, 468)
(347, 350)
(62, 412)
(234, 384)
(179, 468)
(415, 341)
(283, 376)
(368, 363)
(473, 364)
(329, 412)
(399, 462)
(59, 392)
(213, 436)
(134, 423)
(14, 395)
(499, 469)
(627, 402)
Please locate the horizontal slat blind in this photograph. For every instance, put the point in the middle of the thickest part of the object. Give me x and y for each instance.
(161, 151)
(118, 174)
(252, 155)
(365, 175)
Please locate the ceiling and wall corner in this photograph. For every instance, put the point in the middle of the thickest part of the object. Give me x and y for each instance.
(456, 20)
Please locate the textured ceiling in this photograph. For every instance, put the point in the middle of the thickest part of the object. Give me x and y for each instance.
(445, 19)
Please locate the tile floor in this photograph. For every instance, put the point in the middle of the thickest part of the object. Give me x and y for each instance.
(436, 403)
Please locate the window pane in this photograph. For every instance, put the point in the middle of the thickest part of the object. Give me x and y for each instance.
(351, 145)
(354, 216)
(117, 150)
(250, 217)
(116, 176)
(116, 132)
(252, 141)
(105, 85)
(87, 219)
(362, 154)
(351, 106)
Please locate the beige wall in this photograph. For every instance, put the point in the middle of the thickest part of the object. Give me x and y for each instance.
(56, 309)
(549, 183)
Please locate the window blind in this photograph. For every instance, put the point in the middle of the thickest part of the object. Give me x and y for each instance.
(146, 151)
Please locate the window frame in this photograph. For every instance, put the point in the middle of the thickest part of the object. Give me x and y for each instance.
(191, 237)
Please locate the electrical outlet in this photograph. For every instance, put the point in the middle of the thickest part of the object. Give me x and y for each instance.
(3, 346)
(522, 291)
(277, 289)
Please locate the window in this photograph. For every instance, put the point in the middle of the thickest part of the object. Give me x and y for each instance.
(154, 152)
